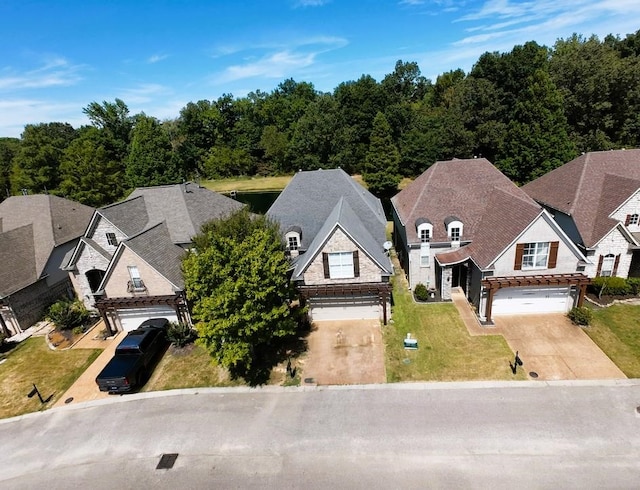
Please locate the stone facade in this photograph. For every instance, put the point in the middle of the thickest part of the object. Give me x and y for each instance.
(340, 242)
(90, 259)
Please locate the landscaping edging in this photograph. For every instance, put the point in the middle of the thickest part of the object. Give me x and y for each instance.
(630, 301)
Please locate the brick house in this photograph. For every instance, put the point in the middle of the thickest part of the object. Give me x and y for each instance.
(127, 264)
(335, 231)
(463, 223)
(595, 199)
(36, 232)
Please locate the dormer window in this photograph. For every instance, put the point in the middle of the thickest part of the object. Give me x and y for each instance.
(633, 219)
(454, 228)
(424, 228)
(293, 239)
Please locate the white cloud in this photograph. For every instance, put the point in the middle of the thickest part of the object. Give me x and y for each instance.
(311, 3)
(16, 113)
(157, 57)
(53, 72)
(143, 93)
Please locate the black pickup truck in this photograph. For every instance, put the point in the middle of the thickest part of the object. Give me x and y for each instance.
(134, 357)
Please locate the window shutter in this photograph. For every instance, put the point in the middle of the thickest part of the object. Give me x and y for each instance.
(615, 265)
(325, 263)
(627, 220)
(519, 253)
(356, 264)
(553, 255)
(599, 266)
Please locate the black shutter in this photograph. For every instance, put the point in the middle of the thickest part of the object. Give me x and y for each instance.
(599, 266)
(325, 263)
(615, 265)
(356, 264)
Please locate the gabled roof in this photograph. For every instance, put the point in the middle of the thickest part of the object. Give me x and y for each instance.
(311, 197)
(343, 217)
(589, 189)
(46, 222)
(492, 209)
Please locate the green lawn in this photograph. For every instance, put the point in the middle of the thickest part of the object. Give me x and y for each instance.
(616, 330)
(248, 184)
(190, 367)
(446, 351)
(33, 362)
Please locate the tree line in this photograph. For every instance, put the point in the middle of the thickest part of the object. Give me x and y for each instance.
(528, 111)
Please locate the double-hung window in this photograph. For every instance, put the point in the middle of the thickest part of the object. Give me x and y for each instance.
(425, 235)
(608, 263)
(535, 255)
(425, 253)
(341, 265)
(455, 234)
(134, 275)
(111, 239)
(293, 242)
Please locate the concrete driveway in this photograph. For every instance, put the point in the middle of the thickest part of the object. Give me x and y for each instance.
(85, 388)
(345, 352)
(551, 346)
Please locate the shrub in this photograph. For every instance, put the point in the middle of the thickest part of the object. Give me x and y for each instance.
(580, 315)
(420, 292)
(634, 284)
(614, 286)
(68, 314)
(180, 334)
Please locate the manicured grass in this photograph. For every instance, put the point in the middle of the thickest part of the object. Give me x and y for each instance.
(52, 371)
(616, 330)
(190, 367)
(446, 351)
(248, 184)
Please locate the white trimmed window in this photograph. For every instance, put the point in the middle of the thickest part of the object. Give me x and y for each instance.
(425, 254)
(455, 234)
(634, 219)
(425, 232)
(455, 230)
(134, 275)
(341, 265)
(293, 242)
(535, 255)
(608, 263)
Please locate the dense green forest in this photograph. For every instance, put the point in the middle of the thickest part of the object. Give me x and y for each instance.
(528, 111)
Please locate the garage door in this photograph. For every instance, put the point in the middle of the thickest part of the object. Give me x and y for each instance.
(516, 301)
(358, 308)
(132, 318)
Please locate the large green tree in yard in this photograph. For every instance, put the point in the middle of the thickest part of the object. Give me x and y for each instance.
(382, 173)
(8, 149)
(236, 279)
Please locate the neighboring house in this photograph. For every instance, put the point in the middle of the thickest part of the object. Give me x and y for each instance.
(36, 232)
(335, 231)
(128, 263)
(462, 223)
(596, 200)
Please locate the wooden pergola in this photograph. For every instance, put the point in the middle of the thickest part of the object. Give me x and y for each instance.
(492, 284)
(382, 290)
(108, 307)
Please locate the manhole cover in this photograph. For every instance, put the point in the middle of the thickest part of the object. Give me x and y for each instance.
(406, 361)
(69, 400)
(167, 461)
(533, 374)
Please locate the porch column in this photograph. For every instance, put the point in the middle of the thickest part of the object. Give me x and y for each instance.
(105, 319)
(582, 291)
(383, 298)
(489, 304)
(3, 326)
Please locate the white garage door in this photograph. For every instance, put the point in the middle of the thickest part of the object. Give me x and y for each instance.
(359, 308)
(516, 301)
(132, 318)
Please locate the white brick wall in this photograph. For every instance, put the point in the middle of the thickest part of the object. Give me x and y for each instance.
(89, 259)
(614, 243)
(100, 235)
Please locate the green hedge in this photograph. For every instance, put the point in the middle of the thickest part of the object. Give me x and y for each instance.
(420, 292)
(613, 286)
(580, 315)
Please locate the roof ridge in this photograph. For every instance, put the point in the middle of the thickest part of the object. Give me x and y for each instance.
(129, 199)
(429, 173)
(583, 173)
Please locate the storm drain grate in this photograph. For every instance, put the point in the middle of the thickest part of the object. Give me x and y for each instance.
(167, 461)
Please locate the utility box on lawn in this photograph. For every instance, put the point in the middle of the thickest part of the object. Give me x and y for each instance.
(409, 343)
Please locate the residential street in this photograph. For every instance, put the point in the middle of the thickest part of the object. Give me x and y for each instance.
(440, 435)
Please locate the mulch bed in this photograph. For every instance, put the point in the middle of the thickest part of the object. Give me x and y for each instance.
(606, 299)
(63, 339)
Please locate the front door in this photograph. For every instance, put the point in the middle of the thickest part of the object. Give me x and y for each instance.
(459, 276)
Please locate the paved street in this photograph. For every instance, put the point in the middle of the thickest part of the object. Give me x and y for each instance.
(441, 435)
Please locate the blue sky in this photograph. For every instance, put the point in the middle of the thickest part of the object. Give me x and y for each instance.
(158, 55)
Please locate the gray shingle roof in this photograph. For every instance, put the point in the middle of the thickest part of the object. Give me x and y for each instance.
(154, 246)
(344, 217)
(311, 197)
(492, 209)
(589, 188)
(53, 221)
